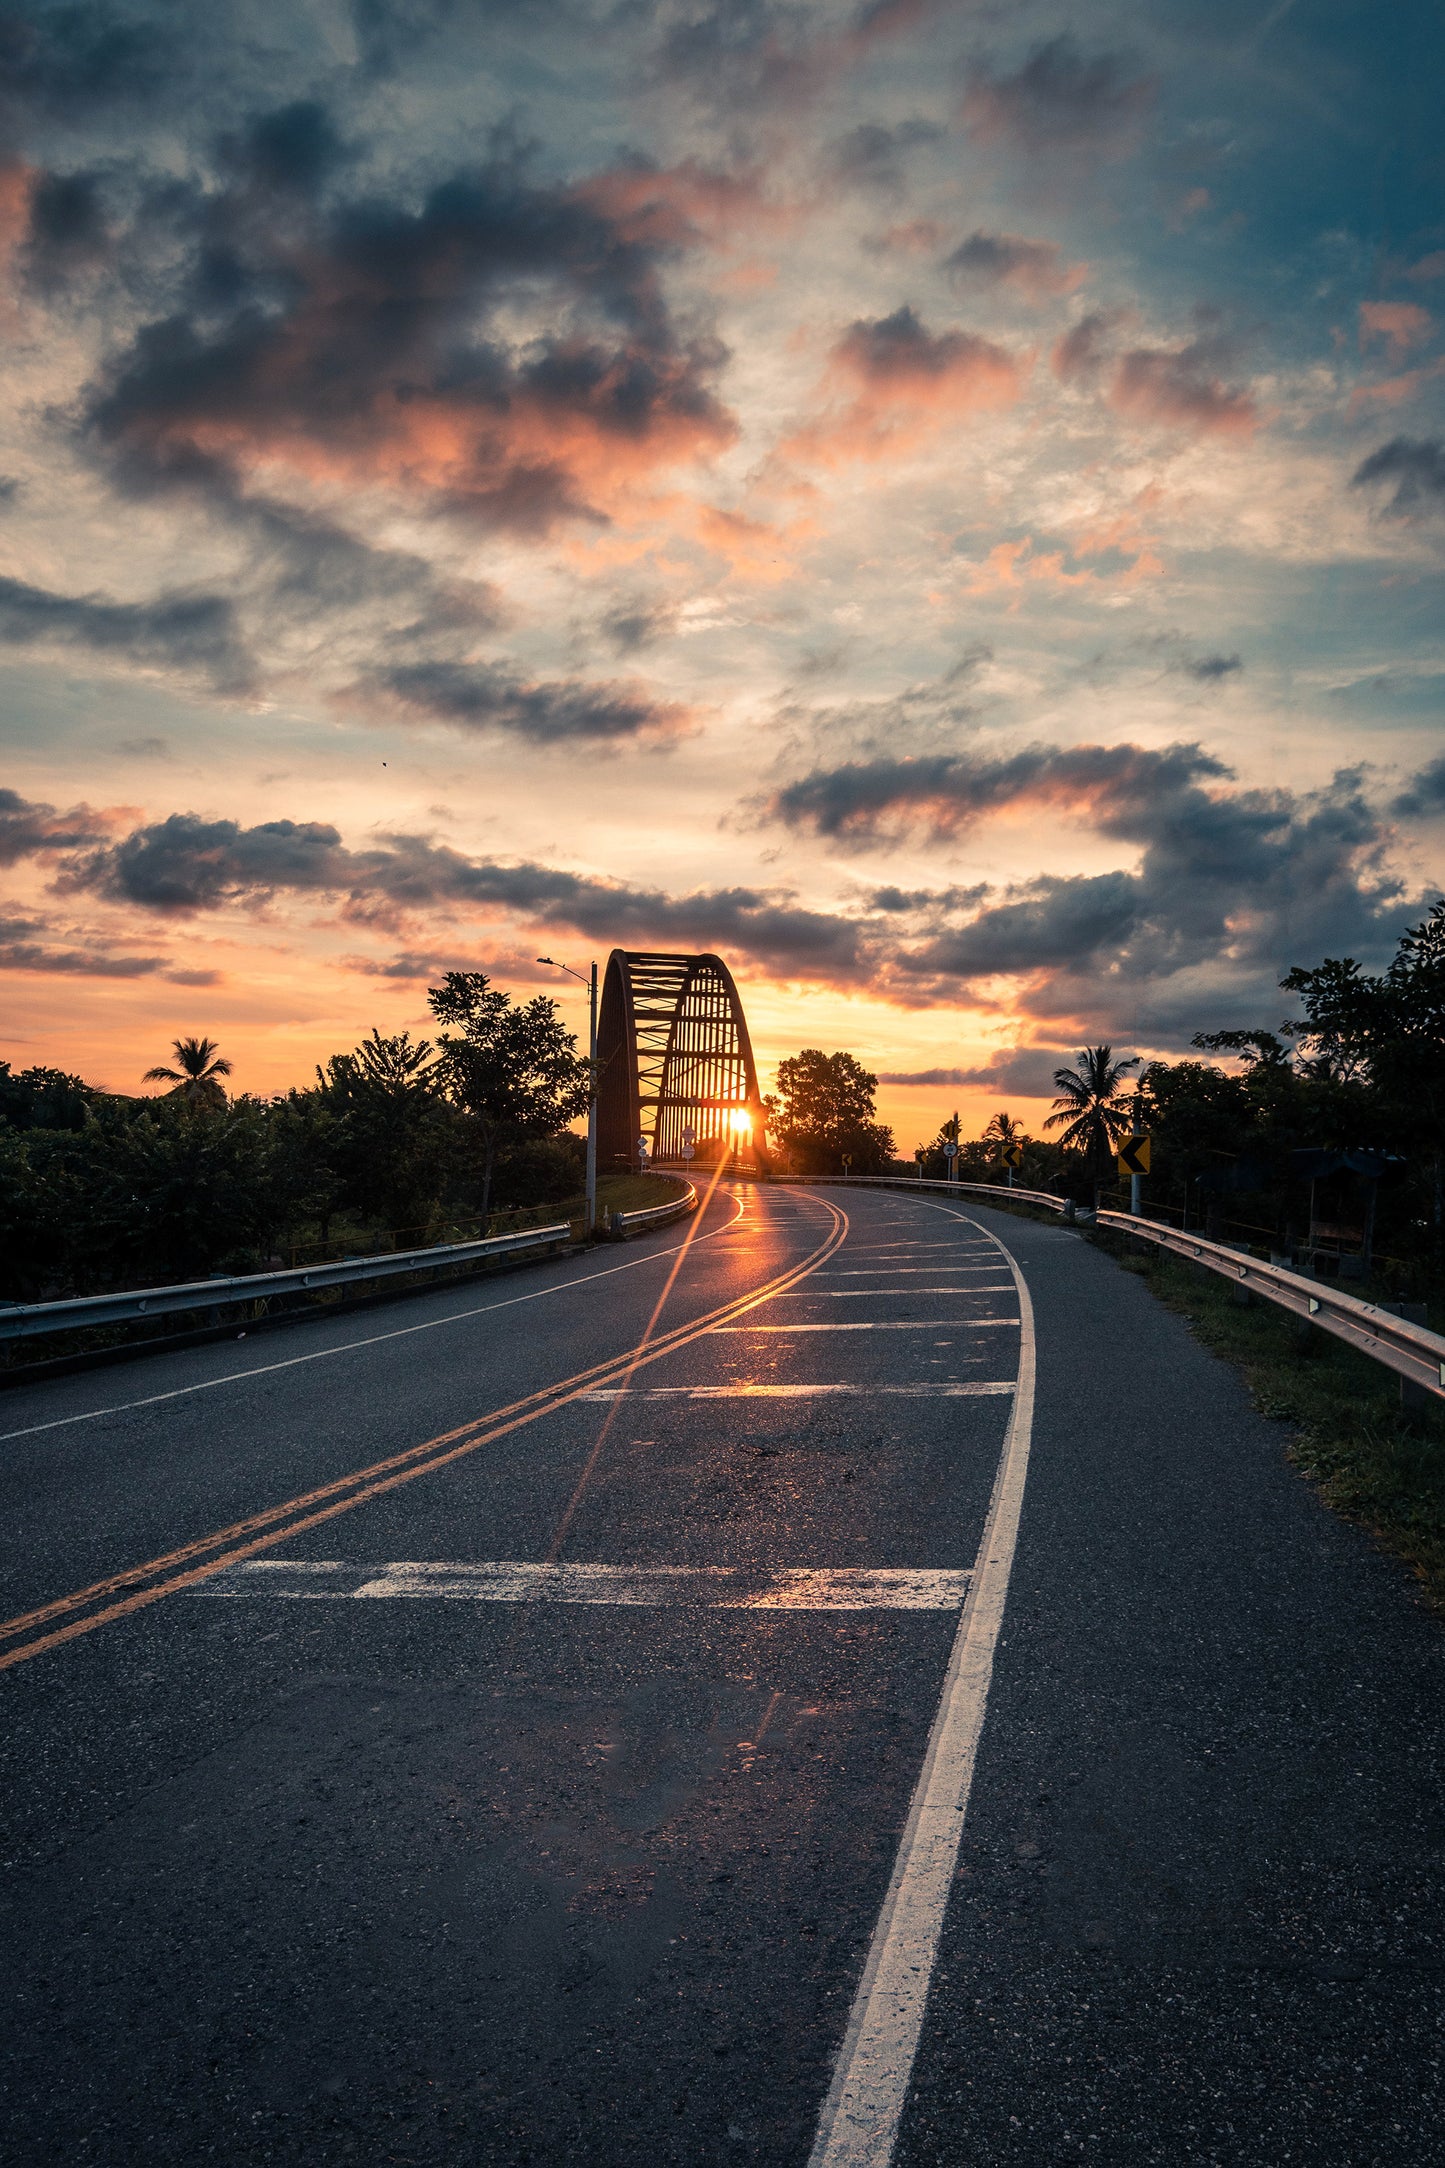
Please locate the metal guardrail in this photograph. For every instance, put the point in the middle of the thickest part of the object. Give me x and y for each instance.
(654, 1215)
(27, 1320)
(1413, 1352)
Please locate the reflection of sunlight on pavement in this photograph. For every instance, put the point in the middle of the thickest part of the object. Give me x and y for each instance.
(569, 1513)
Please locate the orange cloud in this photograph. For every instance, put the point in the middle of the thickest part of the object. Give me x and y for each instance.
(893, 384)
(1401, 324)
(1178, 386)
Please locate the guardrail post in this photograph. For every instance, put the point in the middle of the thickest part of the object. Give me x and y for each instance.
(1414, 1313)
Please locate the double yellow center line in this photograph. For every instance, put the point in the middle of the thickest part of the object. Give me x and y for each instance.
(67, 1617)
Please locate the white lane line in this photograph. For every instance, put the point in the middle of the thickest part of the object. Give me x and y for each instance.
(509, 1580)
(858, 2127)
(955, 1390)
(856, 1294)
(880, 1324)
(899, 1272)
(349, 1347)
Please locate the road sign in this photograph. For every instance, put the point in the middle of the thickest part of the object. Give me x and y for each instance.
(689, 1135)
(688, 1152)
(1012, 1155)
(847, 1159)
(642, 1148)
(950, 1150)
(1134, 1155)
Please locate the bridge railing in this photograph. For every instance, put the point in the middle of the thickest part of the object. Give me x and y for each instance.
(1413, 1352)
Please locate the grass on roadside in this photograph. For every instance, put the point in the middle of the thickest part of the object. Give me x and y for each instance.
(1371, 1460)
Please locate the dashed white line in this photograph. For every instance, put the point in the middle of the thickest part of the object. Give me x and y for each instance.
(510, 1580)
(876, 1324)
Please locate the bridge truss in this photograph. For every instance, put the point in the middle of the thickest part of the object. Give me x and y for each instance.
(674, 1054)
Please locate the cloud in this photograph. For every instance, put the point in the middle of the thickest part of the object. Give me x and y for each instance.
(67, 234)
(1401, 324)
(29, 829)
(1424, 794)
(1416, 467)
(488, 697)
(1210, 669)
(1229, 886)
(874, 156)
(1060, 101)
(82, 963)
(1027, 1070)
(1035, 268)
(895, 383)
(502, 345)
(185, 864)
(867, 803)
(634, 625)
(191, 631)
(294, 150)
(1180, 387)
(1082, 351)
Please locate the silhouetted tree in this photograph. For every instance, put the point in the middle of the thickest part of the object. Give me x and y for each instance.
(823, 1109)
(1093, 1110)
(198, 1072)
(515, 1070)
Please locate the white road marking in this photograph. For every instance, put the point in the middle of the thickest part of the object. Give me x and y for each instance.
(879, 1324)
(349, 1347)
(854, 1294)
(861, 1272)
(508, 1580)
(858, 2127)
(955, 1390)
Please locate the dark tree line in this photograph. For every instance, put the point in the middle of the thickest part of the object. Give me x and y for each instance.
(395, 1141)
(1360, 1070)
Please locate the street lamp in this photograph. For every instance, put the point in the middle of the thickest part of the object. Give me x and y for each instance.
(590, 983)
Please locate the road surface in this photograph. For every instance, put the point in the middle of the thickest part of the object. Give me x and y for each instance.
(848, 1681)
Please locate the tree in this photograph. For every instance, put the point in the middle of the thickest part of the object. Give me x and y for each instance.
(823, 1109)
(515, 1070)
(1002, 1129)
(390, 1139)
(43, 1099)
(197, 1076)
(1092, 1108)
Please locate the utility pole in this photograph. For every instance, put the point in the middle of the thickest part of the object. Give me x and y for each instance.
(590, 982)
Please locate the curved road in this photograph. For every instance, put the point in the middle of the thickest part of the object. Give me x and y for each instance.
(849, 1681)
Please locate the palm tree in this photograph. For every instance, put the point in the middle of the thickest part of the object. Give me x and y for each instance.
(1093, 1103)
(197, 1076)
(1003, 1129)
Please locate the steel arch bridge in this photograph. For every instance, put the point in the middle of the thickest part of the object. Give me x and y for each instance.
(673, 1053)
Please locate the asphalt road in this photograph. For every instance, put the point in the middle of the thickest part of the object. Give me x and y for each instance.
(451, 1735)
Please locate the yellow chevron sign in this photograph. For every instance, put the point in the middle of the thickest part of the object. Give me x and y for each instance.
(1134, 1155)
(1012, 1155)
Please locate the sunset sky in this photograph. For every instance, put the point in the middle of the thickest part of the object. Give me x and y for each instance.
(941, 504)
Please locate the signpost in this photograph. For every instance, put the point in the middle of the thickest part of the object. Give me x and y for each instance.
(847, 1161)
(1134, 1161)
(918, 1159)
(641, 1154)
(1012, 1156)
(950, 1153)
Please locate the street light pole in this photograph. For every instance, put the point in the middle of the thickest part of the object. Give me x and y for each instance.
(590, 982)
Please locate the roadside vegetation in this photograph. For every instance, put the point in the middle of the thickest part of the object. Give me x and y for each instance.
(398, 1143)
